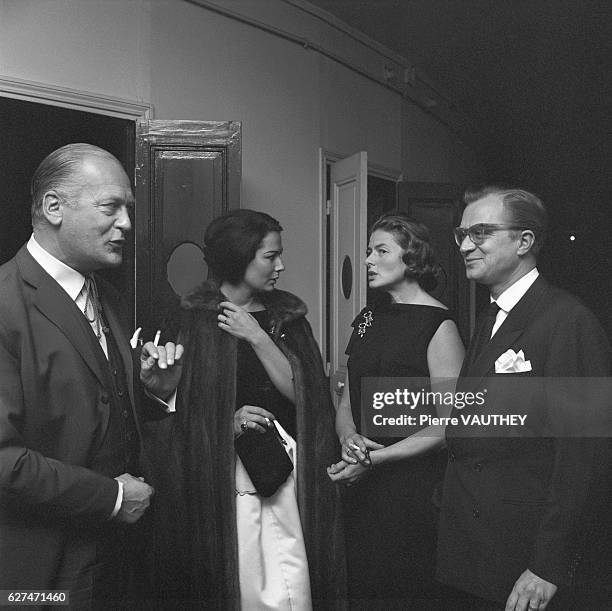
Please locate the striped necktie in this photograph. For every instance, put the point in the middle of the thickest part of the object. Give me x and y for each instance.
(93, 308)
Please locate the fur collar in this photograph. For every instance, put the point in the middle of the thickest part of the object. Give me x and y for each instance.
(284, 307)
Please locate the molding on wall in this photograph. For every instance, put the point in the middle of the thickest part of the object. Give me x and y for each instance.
(42, 93)
(392, 71)
(337, 24)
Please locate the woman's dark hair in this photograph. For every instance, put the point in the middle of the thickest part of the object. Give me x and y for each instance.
(231, 241)
(413, 237)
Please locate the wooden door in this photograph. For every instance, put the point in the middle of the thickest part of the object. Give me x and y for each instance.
(348, 220)
(187, 173)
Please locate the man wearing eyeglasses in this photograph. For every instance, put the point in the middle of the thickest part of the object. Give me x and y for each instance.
(513, 501)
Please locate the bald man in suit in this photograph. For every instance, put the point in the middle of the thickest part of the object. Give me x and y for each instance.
(70, 482)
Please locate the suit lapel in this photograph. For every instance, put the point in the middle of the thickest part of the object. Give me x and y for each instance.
(470, 357)
(508, 333)
(121, 341)
(55, 304)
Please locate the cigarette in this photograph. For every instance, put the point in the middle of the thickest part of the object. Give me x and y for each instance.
(134, 338)
(157, 336)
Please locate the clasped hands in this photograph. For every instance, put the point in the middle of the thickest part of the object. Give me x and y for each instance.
(136, 498)
(356, 461)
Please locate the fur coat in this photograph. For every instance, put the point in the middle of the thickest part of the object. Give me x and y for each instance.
(195, 530)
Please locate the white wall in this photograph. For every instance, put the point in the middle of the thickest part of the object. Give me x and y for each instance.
(434, 153)
(225, 70)
(90, 45)
(192, 63)
(358, 114)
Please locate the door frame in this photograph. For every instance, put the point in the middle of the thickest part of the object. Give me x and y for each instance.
(74, 99)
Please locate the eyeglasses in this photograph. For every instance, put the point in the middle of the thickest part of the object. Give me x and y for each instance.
(480, 232)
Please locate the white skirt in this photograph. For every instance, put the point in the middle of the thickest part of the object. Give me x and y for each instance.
(272, 564)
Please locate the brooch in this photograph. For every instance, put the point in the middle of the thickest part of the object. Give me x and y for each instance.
(367, 322)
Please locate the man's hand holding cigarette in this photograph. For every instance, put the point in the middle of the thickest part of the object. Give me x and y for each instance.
(161, 367)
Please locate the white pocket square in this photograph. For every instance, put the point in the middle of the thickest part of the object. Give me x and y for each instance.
(512, 362)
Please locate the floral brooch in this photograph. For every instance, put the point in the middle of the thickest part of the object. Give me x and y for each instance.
(367, 322)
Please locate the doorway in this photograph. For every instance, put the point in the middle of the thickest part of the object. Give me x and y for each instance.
(354, 196)
(30, 131)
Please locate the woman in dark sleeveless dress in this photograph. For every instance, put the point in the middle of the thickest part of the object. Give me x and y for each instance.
(389, 513)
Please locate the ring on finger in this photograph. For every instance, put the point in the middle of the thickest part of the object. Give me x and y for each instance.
(244, 425)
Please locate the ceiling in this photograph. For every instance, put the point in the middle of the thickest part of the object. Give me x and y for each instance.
(533, 78)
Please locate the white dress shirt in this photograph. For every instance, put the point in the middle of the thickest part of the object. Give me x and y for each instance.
(69, 279)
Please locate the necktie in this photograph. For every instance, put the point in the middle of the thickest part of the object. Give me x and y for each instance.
(488, 322)
(93, 308)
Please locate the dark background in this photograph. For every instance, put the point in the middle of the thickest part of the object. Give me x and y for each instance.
(532, 80)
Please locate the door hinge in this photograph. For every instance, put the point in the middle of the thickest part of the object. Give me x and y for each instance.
(328, 207)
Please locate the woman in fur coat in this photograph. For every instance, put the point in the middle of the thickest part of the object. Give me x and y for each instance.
(251, 364)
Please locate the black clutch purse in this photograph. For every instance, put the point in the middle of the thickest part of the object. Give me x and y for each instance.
(264, 458)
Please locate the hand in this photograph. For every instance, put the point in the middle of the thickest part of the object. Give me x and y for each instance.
(161, 368)
(347, 473)
(238, 322)
(356, 448)
(251, 417)
(136, 498)
(529, 593)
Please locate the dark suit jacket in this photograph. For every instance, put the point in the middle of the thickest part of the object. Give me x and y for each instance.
(512, 502)
(54, 411)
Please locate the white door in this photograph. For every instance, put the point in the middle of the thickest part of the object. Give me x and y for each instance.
(348, 219)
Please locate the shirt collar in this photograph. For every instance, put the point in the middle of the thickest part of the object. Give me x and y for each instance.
(513, 294)
(69, 279)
